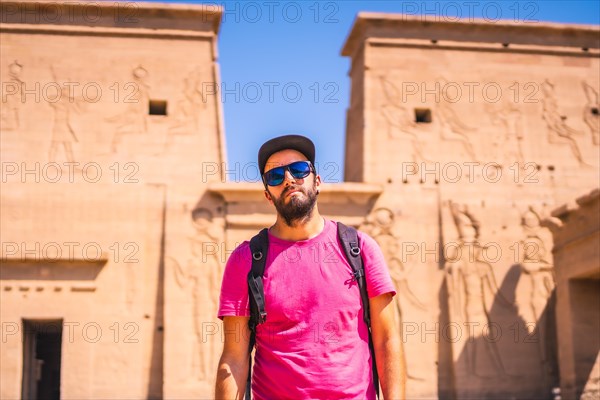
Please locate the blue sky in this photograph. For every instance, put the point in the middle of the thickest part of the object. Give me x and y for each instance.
(283, 73)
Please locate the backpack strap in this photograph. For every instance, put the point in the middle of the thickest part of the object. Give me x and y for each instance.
(349, 239)
(259, 246)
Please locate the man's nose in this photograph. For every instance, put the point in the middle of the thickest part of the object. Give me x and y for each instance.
(288, 177)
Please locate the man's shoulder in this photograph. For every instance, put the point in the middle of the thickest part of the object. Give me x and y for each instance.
(241, 253)
(242, 246)
(366, 240)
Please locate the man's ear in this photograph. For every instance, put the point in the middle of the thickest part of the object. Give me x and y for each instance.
(318, 183)
(268, 196)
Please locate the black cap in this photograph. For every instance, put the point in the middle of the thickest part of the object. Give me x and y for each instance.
(294, 142)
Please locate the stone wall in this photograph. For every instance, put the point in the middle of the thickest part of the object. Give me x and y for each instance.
(116, 222)
(576, 230)
(106, 132)
(476, 131)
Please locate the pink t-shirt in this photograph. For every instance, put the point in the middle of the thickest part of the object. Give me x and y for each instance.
(314, 343)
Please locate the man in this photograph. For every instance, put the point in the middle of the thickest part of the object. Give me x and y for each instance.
(314, 343)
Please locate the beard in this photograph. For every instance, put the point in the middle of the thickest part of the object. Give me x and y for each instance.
(298, 208)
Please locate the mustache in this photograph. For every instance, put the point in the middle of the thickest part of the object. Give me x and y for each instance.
(290, 188)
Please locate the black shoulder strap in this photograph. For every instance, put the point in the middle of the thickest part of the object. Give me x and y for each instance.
(349, 239)
(259, 246)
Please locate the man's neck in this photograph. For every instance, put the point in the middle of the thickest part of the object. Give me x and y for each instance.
(300, 230)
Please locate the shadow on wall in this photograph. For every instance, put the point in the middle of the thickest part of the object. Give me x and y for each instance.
(61, 270)
(155, 373)
(497, 354)
(446, 379)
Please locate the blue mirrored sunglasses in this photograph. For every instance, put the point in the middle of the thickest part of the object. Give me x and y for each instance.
(298, 169)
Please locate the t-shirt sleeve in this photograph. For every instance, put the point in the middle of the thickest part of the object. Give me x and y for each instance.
(376, 270)
(233, 300)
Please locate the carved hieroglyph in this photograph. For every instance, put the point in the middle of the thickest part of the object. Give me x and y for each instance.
(380, 226)
(558, 130)
(63, 132)
(452, 127)
(508, 146)
(471, 282)
(201, 275)
(12, 93)
(185, 119)
(399, 120)
(536, 266)
(591, 112)
(134, 119)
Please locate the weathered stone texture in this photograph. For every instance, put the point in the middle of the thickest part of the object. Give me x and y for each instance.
(98, 188)
(476, 131)
(576, 230)
(461, 137)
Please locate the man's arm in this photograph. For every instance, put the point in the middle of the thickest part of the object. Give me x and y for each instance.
(232, 372)
(388, 349)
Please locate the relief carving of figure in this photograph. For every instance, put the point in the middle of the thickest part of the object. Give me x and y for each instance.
(452, 127)
(12, 98)
(558, 130)
(535, 265)
(201, 275)
(400, 122)
(590, 113)
(63, 133)
(468, 278)
(509, 145)
(379, 224)
(134, 119)
(186, 115)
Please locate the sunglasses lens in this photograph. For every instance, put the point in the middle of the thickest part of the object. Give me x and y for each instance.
(299, 169)
(275, 176)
